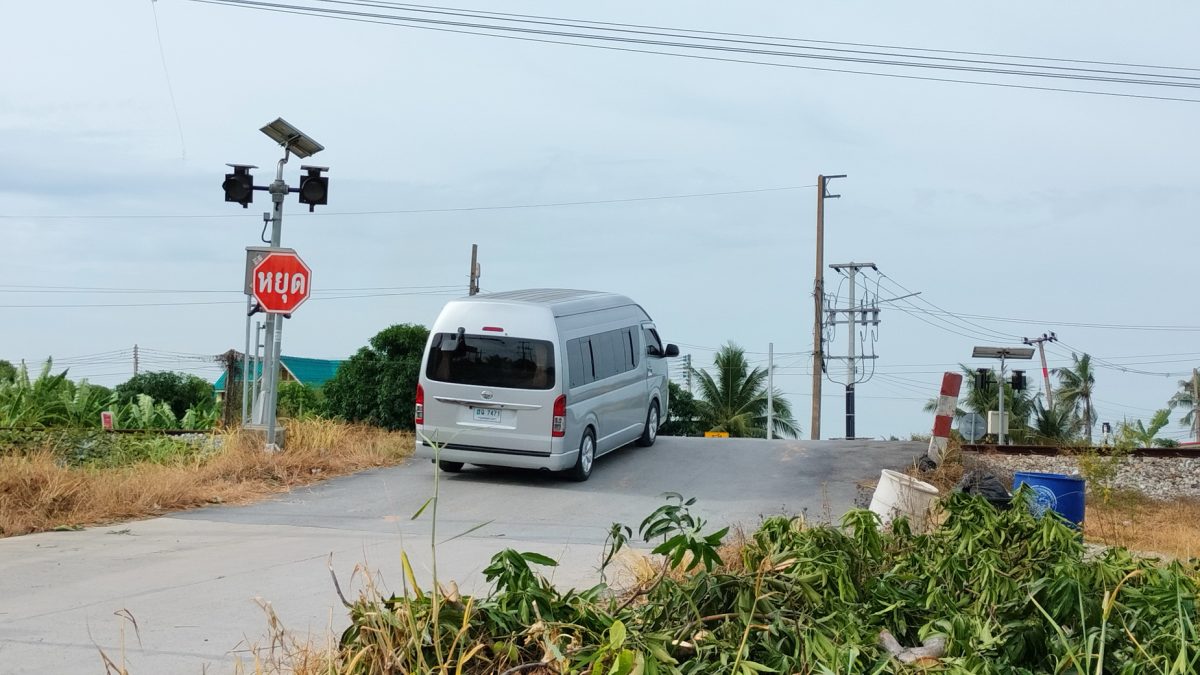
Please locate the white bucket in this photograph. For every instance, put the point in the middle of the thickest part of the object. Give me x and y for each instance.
(901, 495)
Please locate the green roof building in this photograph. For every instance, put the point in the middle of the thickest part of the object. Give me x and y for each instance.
(310, 372)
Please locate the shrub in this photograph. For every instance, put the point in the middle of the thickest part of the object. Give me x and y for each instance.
(179, 391)
(379, 383)
(299, 400)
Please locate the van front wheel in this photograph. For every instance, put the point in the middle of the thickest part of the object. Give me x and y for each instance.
(587, 457)
(650, 433)
(450, 467)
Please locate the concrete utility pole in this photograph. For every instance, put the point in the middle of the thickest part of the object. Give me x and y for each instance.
(687, 364)
(770, 389)
(278, 189)
(135, 360)
(1040, 342)
(853, 313)
(818, 365)
(473, 288)
(1196, 403)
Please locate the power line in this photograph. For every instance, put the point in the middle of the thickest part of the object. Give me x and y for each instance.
(224, 302)
(824, 53)
(442, 9)
(403, 22)
(455, 209)
(19, 288)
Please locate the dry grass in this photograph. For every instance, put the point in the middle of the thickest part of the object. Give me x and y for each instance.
(1170, 528)
(37, 492)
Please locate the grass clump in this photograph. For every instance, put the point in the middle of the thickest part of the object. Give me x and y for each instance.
(998, 592)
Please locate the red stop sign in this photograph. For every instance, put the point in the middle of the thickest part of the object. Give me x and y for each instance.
(281, 282)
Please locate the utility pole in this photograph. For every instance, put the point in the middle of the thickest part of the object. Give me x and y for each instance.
(687, 364)
(473, 289)
(1041, 345)
(770, 390)
(818, 366)
(854, 316)
(1196, 403)
(135, 360)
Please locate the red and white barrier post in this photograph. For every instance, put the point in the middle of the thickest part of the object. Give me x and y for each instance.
(947, 404)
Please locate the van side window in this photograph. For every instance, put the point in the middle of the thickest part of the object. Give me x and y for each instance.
(606, 350)
(628, 345)
(575, 363)
(653, 344)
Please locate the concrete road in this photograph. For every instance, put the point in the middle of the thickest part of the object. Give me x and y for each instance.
(190, 579)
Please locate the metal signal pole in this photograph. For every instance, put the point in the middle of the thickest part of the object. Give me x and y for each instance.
(818, 306)
(1196, 403)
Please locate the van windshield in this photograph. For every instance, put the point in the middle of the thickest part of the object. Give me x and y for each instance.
(492, 361)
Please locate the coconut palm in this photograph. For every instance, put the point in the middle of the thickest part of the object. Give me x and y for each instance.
(1075, 387)
(1184, 399)
(1054, 425)
(735, 401)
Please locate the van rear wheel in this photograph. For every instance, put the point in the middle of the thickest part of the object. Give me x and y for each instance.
(450, 467)
(650, 433)
(587, 457)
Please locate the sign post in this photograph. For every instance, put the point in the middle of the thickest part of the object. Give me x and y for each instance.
(280, 281)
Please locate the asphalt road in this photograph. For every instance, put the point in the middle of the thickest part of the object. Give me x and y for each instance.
(190, 580)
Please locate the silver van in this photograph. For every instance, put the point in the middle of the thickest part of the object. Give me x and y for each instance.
(541, 378)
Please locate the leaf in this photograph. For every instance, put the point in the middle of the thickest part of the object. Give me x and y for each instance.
(466, 532)
(616, 635)
(539, 559)
(423, 507)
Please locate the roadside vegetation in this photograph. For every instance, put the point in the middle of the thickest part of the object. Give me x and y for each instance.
(1072, 418)
(59, 469)
(732, 398)
(987, 592)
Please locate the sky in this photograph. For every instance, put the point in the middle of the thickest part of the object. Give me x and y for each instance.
(1044, 209)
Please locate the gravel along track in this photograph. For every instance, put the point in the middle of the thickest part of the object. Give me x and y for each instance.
(1156, 477)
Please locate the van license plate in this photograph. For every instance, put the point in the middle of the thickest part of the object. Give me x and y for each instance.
(487, 414)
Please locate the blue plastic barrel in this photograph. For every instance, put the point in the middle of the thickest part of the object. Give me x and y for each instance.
(1054, 492)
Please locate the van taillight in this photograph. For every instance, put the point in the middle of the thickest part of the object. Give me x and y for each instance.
(558, 427)
(420, 416)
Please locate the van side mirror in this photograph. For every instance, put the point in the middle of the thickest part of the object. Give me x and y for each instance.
(672, 350)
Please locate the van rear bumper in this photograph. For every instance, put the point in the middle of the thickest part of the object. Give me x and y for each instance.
(478, 454)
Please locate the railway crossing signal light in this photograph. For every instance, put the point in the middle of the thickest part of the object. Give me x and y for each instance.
(1018, 380)
(983, 377)
(314, 188)
(239, 185)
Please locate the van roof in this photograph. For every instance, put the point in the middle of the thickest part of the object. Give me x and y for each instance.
(562, 301)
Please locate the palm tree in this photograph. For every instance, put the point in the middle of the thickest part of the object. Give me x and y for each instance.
(735, 401)
(1054, 425)
(1184, 399)
(1145, 436)
(1075, 388)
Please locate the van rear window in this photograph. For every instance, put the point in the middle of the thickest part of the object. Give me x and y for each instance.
(491, 361)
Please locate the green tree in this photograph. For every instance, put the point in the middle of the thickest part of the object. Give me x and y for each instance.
(378, 385)
(8, 372)
(1076, 385)
(1146, 436)
(683, 414)
(300, 400)
(735, 401)
(179, 391)
(1184, 399)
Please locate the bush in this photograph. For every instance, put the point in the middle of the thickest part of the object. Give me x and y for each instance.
(179, 391)
(378, 385)
(298, 400)
(683, 414)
